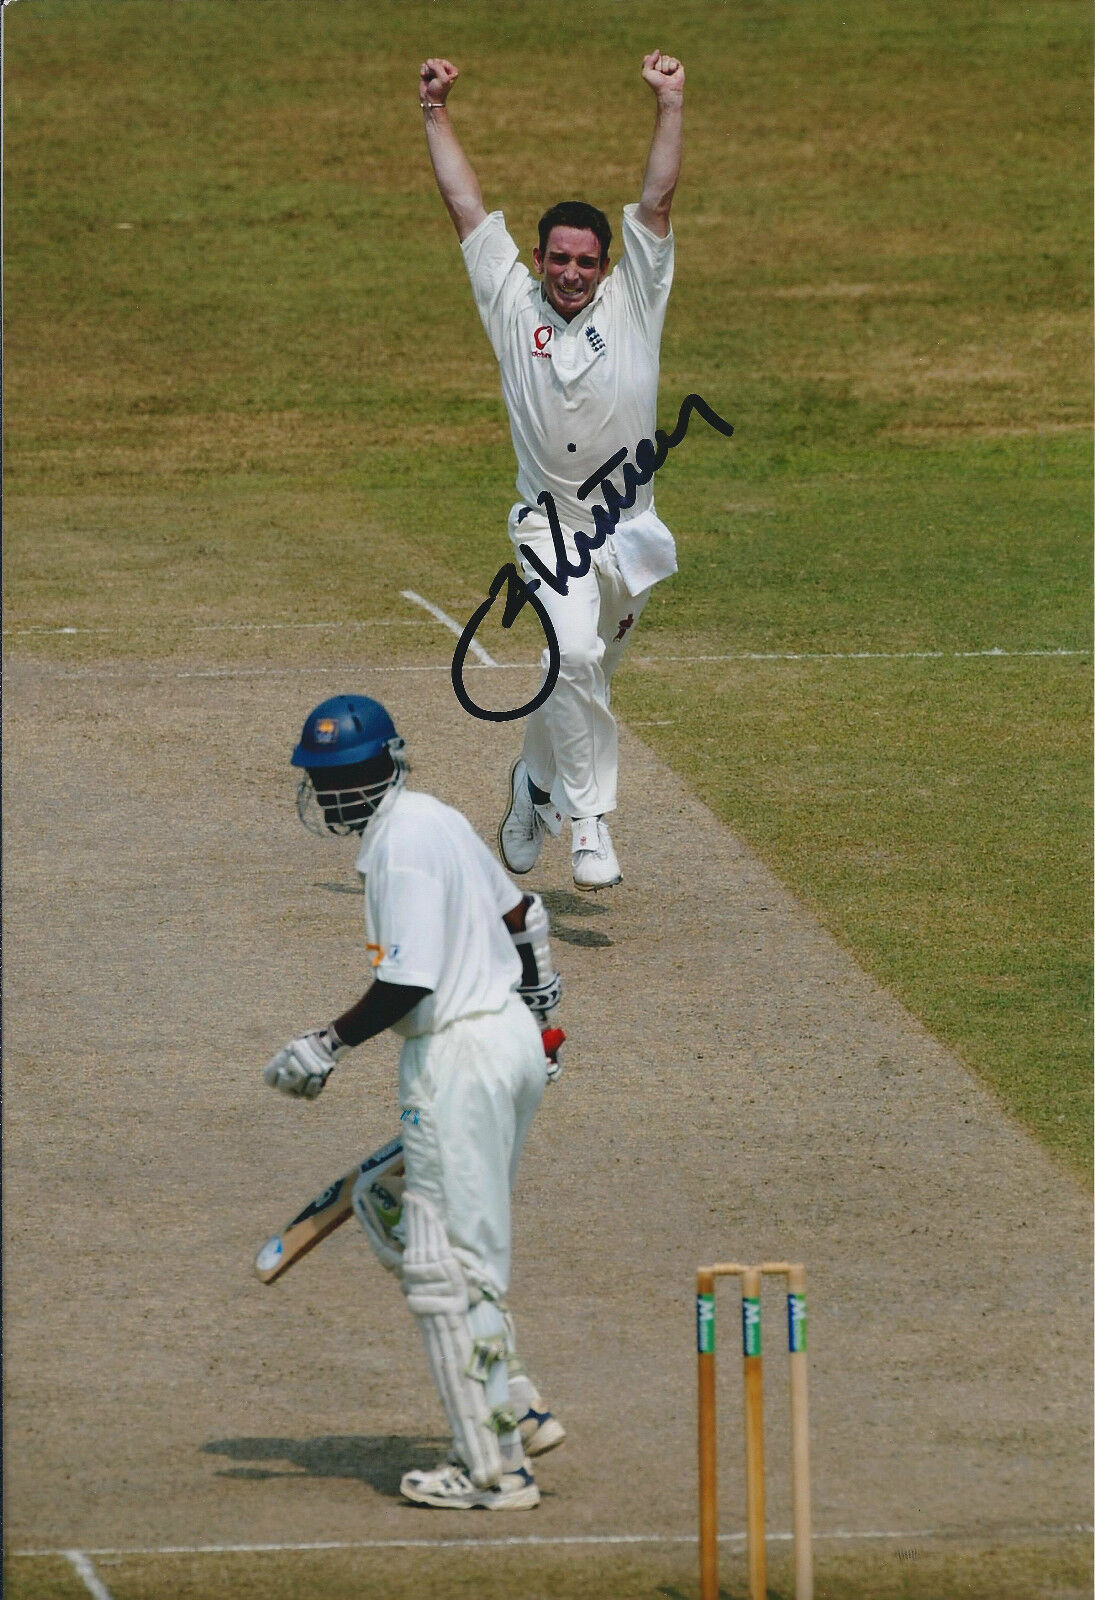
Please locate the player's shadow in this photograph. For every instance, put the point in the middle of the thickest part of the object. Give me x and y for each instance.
(379, 1460)
(562, 903)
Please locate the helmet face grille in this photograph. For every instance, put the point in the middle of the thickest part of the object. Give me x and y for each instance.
(343, 800)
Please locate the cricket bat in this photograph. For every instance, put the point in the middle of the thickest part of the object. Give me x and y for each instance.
(324, 1214)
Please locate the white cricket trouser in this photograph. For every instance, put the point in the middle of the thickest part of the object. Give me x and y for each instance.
(571, 746)
(468, 1094)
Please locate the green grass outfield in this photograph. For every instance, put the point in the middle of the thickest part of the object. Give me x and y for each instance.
(245, 380)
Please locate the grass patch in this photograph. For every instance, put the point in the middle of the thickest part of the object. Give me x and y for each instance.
(934, 814)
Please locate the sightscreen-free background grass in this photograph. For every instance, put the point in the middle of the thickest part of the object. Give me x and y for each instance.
(245, 381)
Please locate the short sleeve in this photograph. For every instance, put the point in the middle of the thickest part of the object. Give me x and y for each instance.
(498, 278)
(645, 275)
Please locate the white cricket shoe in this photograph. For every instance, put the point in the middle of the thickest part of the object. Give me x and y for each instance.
(521, 833)
(592, 856)
(449, 1487)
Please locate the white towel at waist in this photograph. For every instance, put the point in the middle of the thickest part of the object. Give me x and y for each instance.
(643, 546)
(645, 551)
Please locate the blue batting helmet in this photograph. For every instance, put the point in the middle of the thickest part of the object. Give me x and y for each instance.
(352, 756)
(343, 731)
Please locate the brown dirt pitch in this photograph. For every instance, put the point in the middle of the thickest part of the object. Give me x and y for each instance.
(735, 1087)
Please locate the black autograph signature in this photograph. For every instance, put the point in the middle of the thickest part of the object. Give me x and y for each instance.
(650, 454)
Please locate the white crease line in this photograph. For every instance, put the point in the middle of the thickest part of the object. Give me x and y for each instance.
(859, 655)
(842, 1535)
(454, 627)
(635, 661)
(227, 627)
(487, 660)
(149, 675)
(152, 676)
(84, 1570)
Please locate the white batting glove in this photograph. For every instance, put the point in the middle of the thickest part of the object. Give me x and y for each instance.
(304, 1066)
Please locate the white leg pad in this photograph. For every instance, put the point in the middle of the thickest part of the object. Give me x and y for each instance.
(378, 1205)
(463, 1363)
(489, 1325)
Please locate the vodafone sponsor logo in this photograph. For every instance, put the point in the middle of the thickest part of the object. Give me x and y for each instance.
(541, 338)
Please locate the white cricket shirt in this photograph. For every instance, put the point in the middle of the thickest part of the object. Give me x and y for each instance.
(434, 902)
(576, 392)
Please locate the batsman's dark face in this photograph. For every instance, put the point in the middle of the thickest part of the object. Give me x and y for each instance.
(348, 796)
(571, 268)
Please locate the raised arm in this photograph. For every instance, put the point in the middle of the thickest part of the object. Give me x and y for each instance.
(665, 75)
(454, 172)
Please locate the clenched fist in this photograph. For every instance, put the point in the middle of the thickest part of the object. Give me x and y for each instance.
(435, 78)
(665, 75)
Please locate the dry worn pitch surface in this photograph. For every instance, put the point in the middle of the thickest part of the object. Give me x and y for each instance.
(735, 1088)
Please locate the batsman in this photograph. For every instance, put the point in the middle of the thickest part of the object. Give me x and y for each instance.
(463, 973)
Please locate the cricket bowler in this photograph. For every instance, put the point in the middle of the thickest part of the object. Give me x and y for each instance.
(578, 349)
